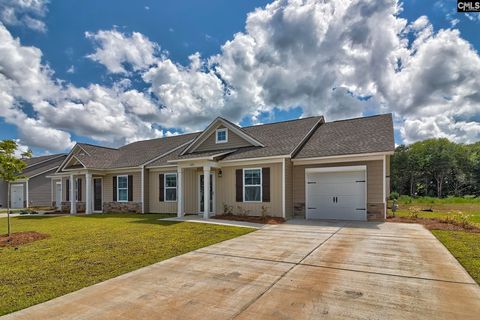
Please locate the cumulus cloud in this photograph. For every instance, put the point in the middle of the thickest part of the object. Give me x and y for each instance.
(27, 13)
(116, 50)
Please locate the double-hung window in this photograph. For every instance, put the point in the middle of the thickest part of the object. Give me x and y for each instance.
(221, 135)
(252, 185)
(122, 188)
(170, 187)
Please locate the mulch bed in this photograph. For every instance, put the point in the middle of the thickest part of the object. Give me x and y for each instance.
(254, 219)
(435, 224)
(19, 238)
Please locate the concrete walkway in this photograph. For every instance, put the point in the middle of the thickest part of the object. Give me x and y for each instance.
(198, 219)
(296, 270)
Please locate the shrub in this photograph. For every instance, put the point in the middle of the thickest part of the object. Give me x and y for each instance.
(413, 212)
(405, 199)
(394, 195)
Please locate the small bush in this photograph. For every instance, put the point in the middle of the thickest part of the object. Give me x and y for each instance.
(413, 212)
(394, 195)
(405, 199)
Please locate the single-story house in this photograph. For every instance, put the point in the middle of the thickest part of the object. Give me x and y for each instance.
(305, 167)
(34, 188)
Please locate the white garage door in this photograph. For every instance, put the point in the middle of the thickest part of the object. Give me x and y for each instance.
(336, 193)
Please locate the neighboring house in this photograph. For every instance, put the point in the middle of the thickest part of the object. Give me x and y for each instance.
(34, 188)
(304, 167)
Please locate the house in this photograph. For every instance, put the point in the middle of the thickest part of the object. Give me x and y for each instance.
(305, 167)
(34, 188)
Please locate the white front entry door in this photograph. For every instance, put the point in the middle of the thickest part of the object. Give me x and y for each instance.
(58, 195)
(16, 196)
(336, 195)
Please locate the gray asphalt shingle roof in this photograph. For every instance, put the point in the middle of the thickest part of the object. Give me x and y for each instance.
(351, 136)
(42, 164)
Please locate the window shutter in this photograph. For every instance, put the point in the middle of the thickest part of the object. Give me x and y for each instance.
(265, 184)
(239, 185)
(130, 188)
(161, 188)
(67, 190)
(114, 188)
(79, 189)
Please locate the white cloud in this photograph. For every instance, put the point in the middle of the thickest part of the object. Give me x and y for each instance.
(71, 69)
(116, 50)
(26, 13)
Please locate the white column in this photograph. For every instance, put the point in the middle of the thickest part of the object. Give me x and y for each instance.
(206, 192)
(88, 193)
(27, 196)
(180, 205)
(384, 177)
(142, 188)
(73, 202)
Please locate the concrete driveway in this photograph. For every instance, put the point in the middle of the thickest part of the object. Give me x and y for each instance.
(291, 271)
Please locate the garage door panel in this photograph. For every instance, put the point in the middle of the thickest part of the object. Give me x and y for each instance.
(336, 195)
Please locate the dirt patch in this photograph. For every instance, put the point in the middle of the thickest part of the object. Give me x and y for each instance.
(254, 219)
(19, 238)
(435, 224)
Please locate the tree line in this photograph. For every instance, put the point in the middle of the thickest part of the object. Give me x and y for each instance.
(436, 168)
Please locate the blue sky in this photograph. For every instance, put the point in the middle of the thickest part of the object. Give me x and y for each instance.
(181, 28)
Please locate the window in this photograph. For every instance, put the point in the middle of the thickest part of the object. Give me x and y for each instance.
(252, 185)
(170, 187)
(78, 192)
(122, 188)
(221, 135)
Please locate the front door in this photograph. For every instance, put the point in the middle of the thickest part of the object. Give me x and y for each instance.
(58, 195)
(16, 196)
(97, 194)
(201, 193)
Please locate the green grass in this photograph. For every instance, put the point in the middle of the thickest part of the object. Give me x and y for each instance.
(433, 200)
(84, 250)
(465, 247)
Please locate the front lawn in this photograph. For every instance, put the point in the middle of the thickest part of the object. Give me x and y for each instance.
(83, 250)
(465, 247)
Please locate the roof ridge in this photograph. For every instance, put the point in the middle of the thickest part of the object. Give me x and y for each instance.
(358, 118)
(97, 146)
(283, 121)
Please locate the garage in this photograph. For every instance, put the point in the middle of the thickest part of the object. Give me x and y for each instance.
(336, 193)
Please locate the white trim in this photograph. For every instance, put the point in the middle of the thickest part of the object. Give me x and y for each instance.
(308, 135)
(253, 161)
(69, 156)
(283, 189)
(221, 130)
(336, 169)
(212, 176)
(27, 200)
(384, 179)
(166, 153)
(165, 186)
(210, 158)
(58, 205)
(227, 124)
(93, 194)
(142, 188)
(252, 185)
(118, 198)
(162, 168)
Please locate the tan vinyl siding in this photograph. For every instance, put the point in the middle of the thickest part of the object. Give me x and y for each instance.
(108, 186)
(234, 141)
(226, 191)
(155, 206)
(288, 188)
(374, 179)
(190, 189)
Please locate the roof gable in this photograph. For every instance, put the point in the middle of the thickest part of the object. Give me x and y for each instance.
(237, 137)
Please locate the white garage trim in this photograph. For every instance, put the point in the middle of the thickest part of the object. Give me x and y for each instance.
(335, 169)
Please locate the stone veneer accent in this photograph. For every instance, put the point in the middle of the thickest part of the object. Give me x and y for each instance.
(375, 211)
(66, 207)
(132, 207)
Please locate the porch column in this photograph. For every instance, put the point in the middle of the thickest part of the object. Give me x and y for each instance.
(73, 202)
(206, 192)
(180, 205)
(88, 193)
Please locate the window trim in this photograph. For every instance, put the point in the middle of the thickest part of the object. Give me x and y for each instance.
(118, 188)
(252, 185)
(226, 135)
(165, 186)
